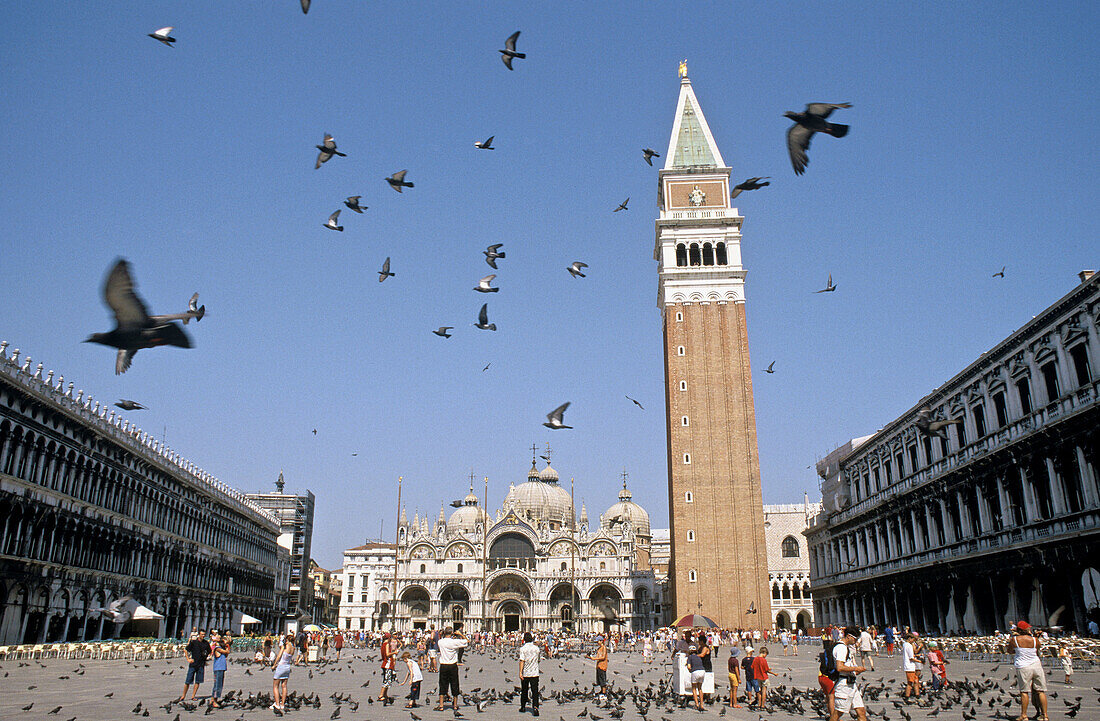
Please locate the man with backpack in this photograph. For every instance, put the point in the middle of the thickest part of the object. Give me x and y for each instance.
(826, 671)
(846, 694)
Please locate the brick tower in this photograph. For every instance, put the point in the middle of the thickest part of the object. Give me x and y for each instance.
(719, 564)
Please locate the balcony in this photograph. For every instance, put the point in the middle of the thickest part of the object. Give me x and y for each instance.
(700, 214)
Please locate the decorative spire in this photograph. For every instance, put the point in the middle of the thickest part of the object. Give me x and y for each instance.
(691, 144)
(280, 483)
(584, 515)
(404, 520)
(442, 515)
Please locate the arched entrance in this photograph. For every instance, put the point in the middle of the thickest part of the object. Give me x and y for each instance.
(563, 598)
(510, 614)
(416, 603)
(605, 602)
(455, 600)
(802, 621)
(783, 621)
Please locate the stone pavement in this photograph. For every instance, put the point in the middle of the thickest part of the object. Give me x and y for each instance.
(56, 682)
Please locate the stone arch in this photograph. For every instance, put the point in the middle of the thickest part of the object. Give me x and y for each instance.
(803, 620)
(783, 620)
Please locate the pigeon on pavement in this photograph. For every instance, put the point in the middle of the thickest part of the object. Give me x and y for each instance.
(164, 35)
(510, 51)
(750, 184)
(575, 269)
(483, 319)
(554, 418)
(806, 123)
(331, 222)
(397, 181)
(492, 253)
(485, 144)
(353, 204)
(649, 154)
(134, 328)
(328, 149)
(385, 272)
(484, 287)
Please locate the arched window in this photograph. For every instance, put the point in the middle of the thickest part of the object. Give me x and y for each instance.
(460, 568)
(687, 459)
(790, 547)
(786, 592)
(692, 578)
(693, 254)
(691, 536)
(775, 591)
(708, 254)
(563, 565)
(688, 497)
(680, 350)
(603, 566)
(681, 255)
(720, 253)
(423, 568)
(679, 317)
(684, 420)
(683, 385)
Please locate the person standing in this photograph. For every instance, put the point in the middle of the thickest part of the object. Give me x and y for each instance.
(695, 668)
(865, 647)
(760, 672)
(284, 662)
(746, 668)
(888, 634)
(433, 650)
(222, 645)
(909, 666)
(937, 665)
(600, 657)
(1030, 677)
(733, 668)
(197, 651)
(389, 667)
(413, 677)
(1067, 662)
(826, 672)
(647, 649)
(846, 694)
(448, 665)
(338, 643)
(529, 674)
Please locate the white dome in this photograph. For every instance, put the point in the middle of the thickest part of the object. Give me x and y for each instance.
(466, 519)
(626, 510)
(540, 498)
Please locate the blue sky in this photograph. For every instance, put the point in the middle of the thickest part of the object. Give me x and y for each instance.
(972, 147)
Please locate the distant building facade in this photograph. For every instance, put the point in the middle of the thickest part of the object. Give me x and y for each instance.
(995, 517)
(719, 564)
(325, 606)
(789, 564)
(367, 587)
(93, 509)
(532, 566)
(295, 517)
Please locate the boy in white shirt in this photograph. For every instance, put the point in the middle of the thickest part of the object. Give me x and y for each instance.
(413, 677)
(846, 694)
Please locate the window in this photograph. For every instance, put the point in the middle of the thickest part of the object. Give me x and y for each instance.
(363, 597)
(687, 458)
(692, 578)
(688, 497)
(1050, 380)
(683, 385)
(1024, 388)
(693, 254)
(960, 434)
(721, 253)
(679, 317)
(708, 254)
(351, 581)
(423, 568)
(691, 536)
(1000, 409)
(460, 568)
(913, 461)
(979, 420)
(681, 255)
(683, 420)
(789, 547)
(563, 566)
(603, 566)
(679, 350)
(1079, 354)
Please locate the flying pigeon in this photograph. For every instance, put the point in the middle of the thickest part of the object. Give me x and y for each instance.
(805, 125)
(575, 269)
(120, 610)
(385, 272)
(442, 332)
(164, 35)
(554, 418)
(397, 181)
(129, 405)
(1000, 273)
(134, 328)
(752, 607)
(484, 287)
(622, 206)
(483, 320)
(328, 149)
(194, 311)
(492, 253)
(829, 287)
(331, 222)
(353, 204)
(483, 370)
(635, 402)
(485, 144)
(305, 6)
(929, 427)
(649, 154)
(770, 368)
(750, 184)
(510, 51)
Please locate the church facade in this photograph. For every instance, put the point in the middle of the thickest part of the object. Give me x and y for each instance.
(532, 565)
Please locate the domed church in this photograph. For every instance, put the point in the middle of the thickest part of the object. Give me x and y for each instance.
(533, 566)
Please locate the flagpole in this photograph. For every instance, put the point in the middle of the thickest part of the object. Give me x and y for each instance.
(396, 542)
(484, 551)
(573, 556)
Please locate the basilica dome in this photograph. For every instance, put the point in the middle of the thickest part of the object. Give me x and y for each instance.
(466, 519)
(626, 510)
(540, 498)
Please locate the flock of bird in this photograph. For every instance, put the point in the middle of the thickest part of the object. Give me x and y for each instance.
(647, 695)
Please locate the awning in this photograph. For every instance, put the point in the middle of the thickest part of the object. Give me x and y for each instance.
(240, 618)
(141, 613)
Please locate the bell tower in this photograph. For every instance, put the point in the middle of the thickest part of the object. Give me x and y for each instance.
(719, 564)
